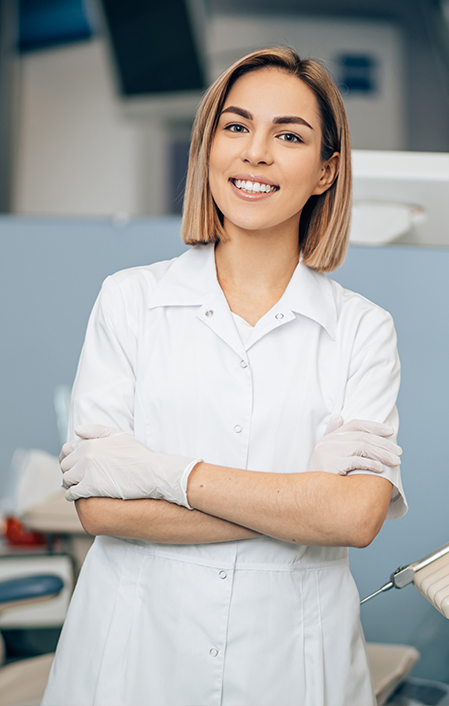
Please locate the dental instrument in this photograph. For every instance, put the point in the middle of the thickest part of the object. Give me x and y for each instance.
(429, 575)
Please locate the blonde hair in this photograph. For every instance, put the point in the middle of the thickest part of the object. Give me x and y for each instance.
(325, 219)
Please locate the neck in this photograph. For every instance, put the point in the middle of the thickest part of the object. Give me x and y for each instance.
(254, 270)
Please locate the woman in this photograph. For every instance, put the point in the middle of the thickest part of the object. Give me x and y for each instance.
(219, 396)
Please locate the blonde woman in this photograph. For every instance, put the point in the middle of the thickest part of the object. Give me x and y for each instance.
(218, 407)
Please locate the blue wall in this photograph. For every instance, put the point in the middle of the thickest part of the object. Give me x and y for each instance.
(51, 272)
(413, 284)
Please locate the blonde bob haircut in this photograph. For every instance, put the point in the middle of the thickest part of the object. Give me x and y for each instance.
(325, 219)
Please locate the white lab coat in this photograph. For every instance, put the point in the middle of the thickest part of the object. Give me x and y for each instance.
(248, 623)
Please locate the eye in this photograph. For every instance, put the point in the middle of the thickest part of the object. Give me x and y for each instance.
(290, 137)
(235, 127)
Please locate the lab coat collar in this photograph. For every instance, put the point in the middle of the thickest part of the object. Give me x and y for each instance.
(192, 279)
(309, 293)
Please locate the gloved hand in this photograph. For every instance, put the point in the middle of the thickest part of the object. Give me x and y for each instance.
(356, 446)
(109, 463)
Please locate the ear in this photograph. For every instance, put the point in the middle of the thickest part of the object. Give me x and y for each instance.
(329, 171)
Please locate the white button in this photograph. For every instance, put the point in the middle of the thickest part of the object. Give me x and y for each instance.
(243, 364)
(223, 574)
(210, 312)
(213, 652)
(279, 316)
(238, 428)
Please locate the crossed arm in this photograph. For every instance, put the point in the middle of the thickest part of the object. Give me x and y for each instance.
(231, 504)
(323, 506)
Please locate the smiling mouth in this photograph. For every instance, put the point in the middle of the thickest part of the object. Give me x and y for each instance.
(254, 187)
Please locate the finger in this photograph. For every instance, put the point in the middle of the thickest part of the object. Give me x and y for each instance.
(367, 449)
(379, 454)
(67, 463)
(383, 445)
(359, 463)
(385, 459)
(75, 492)
(84, 451)
(95, 431)
(70, 496)
(73, 458)
(72, 477)
(67, 449)
(368, 426)
(335, 422)
(361, 439)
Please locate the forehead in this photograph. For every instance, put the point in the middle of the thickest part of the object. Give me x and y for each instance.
(273, 91)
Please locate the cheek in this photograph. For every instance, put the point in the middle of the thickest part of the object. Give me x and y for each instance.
(304, 177)
(216, 155)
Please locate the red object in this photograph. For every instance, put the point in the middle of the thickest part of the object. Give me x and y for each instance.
(18, 535)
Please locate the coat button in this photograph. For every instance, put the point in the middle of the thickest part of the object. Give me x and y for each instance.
(209, 312)
(238, 429)
(222, 574)
(213, 652)
(279, 316)
(243, 364)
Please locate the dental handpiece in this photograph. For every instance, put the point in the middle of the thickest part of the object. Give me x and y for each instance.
(406, 574)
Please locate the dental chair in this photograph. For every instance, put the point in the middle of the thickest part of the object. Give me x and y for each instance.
(23, 681)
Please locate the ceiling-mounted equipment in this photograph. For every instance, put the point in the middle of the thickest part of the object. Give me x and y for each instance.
(400, 198)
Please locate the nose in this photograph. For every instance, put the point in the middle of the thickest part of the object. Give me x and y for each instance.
(256, 149)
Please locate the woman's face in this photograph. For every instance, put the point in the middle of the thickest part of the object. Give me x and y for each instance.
(265, 156)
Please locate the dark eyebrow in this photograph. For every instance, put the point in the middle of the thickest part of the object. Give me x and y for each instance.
(238, 111)
(283, 120)
(291, 119)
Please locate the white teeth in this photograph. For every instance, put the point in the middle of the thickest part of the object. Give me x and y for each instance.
(253, 187)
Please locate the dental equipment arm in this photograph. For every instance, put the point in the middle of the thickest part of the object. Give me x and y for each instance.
(429, 575)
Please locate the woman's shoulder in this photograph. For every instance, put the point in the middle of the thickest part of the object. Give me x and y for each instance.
(125, 294)
(143, 277)
(361, 322)
(136, 285)
(354, 306)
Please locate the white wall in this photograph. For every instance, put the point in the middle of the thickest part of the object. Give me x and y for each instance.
(76, 152)
(376, 120)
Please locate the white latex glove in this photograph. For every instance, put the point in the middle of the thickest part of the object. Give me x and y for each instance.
(109, 463)
(356, 446)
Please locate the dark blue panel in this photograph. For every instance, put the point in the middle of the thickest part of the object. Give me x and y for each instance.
(154, 46)
(357, 73)
(50, 22)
